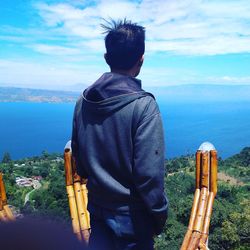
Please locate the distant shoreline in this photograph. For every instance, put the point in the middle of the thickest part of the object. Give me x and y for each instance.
(11, 94)
(179, 93)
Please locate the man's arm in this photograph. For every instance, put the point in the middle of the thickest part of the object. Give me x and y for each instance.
(149, 157)
(74, 141)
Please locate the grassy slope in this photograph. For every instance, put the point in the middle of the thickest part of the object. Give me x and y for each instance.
(230, 222)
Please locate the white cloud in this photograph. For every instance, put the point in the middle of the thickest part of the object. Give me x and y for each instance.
(189, 27)
(39, 75)
(230, 80)
(68, 34)
(203, 46)
(186, 27)
(55, 50)
(24, 73)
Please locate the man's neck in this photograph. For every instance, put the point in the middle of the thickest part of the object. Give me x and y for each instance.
(123, 72)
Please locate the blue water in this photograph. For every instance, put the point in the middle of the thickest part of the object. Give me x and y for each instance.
(26, 129)
(226, 125)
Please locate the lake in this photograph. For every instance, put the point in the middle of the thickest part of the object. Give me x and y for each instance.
(26, 129)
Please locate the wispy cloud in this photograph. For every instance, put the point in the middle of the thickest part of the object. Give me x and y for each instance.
(184, 27)
(63, 40)
(187, 27)
(230, 80)
(39, 75)
(55, 50)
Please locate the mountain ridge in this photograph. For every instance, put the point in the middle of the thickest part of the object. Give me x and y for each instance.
(173, 93)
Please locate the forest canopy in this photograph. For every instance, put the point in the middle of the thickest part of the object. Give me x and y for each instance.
(230, 223)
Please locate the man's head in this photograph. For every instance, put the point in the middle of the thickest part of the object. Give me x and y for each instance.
(125, 44)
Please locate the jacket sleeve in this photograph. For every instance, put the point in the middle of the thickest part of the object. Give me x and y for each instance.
(75, 143)
(149, 157)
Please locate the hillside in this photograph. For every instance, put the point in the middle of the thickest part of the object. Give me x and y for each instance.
(230, 224)
(9, 94)
(197, 93)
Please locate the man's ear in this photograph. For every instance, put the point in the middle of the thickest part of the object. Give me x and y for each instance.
(105, 56)
(141, 60)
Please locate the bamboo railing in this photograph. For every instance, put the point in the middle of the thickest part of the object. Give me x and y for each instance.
(77, 196)
(206, 188)
(5, 212)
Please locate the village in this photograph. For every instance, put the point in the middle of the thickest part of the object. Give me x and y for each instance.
(29, 182)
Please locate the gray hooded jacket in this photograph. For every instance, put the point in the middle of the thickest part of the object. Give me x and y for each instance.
(118, 144)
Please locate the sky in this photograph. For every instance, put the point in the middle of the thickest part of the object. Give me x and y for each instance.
(55, 44)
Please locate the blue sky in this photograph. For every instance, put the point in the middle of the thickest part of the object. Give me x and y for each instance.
(59, 44)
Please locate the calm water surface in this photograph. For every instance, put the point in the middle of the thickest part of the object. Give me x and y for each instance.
(26, 129)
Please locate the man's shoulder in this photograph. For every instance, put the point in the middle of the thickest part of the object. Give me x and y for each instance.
(146, 101)
(146, 106)
(78, 104)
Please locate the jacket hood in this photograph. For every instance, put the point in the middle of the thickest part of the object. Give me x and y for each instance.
(112, 84)
(112, 104)
(111, 92)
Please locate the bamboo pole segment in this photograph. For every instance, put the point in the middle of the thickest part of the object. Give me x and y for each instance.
(81, 205)
(201, 211)
(3, 216)
(195, 202)
(2, 191)
(77, 193)
(198, 224)
(202, 246)
(71, 194)
(199, 219)
(9, 213)
(73, 211)
(191, 220)
(5, 212)
(212, 194)
(81, 212)
(198, 169)
(68, 168)
(205, 169)
(206, 188)
(85, 198)
(214, 170)
(207, 219)
(1, 202)
(194, 241)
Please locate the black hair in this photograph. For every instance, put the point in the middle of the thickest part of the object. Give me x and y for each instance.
(124, 42)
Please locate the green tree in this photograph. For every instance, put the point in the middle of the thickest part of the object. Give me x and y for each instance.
(6, 157)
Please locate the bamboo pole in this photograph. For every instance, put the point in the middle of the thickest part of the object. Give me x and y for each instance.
(207, 218)
(81, 212)
(78, 197)
(199, 220)
(2, 190)
(214, 170)
(206, 189)
(198, 169)
(81, 205)
(1, 202)
(6, 213)
(73, 211)
(85, 198)
(189, 232)
(191, 220)
(71, 193)
(3, 216)
(202, 206)
(205, 169)
(213, 192)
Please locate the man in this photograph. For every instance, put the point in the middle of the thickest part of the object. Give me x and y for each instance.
(118, 145)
